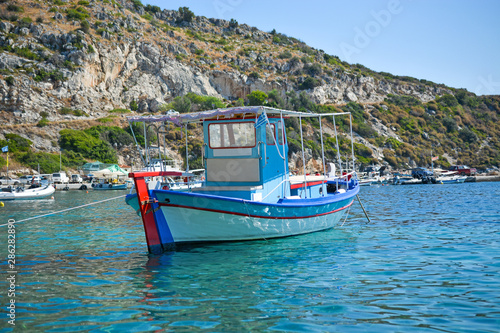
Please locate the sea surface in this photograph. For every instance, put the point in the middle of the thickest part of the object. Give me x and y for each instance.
(429, 261)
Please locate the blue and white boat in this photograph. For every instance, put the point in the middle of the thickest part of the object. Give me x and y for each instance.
(106, 184)
(247, 193)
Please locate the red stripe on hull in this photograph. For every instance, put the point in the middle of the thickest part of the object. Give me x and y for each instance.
(295, 186)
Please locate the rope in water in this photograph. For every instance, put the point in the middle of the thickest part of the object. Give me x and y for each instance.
(64, 210)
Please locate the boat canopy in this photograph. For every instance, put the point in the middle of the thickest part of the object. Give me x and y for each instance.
(227, 113)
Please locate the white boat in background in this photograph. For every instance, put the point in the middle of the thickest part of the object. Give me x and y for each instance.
(450, 177)
(373, 180)
(21, 193)
(374, 175)
(413, 181)
(178, 181)
(399, 178)
(366, 181)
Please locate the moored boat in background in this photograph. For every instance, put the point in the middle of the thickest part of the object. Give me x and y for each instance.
(21, 193)
(450, 177)
(107, 184)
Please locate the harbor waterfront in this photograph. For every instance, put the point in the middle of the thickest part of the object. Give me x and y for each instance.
(427, 262)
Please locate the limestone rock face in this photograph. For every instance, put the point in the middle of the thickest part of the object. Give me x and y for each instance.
(97, 71)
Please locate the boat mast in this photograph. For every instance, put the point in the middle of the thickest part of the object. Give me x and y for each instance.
(283, 134)
(322, 152)
(187, 155)
(338, 150)
(146, 144)
(352, 142)
(303, 157)
(136, 143)
(432, 162)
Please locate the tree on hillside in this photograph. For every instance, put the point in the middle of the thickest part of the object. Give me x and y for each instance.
(275, 100)
(233, 23)
(185, 15)
(256, 98)
(447, 100)
(182, 104)
(467, 135)
(309, 83)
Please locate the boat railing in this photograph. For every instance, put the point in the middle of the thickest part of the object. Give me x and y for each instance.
(350, 178)
(275, 188)
(345, 177)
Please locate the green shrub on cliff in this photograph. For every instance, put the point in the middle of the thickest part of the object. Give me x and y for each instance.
(69, 111)
(185, 15)
(16, 143)
(111, 134)
(48, 163)
(15, 8)
(86, 144)
(78, 14)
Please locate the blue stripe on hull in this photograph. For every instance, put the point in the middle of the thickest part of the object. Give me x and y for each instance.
(195, 217)
(161, 224)
(285, 209)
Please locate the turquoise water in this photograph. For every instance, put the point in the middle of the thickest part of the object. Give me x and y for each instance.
(428, 262)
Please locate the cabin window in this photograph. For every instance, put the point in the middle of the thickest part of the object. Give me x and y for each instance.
(231, 135)
(280, 132)
(270, 130)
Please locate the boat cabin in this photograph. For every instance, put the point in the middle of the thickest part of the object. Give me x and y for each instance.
(244, 160)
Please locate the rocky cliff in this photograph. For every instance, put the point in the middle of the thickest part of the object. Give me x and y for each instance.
(126, 55)
(92, 57)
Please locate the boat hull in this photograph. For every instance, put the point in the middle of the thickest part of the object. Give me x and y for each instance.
(109, 187)
(452, 180)
(181, 217)
(28, 194)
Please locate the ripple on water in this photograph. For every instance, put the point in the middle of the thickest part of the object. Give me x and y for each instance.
(425, 263)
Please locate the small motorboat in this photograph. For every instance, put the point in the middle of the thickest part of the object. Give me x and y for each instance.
(21, 193)
(450, 177)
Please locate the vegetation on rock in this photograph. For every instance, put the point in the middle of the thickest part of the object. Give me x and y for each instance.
(71, 60)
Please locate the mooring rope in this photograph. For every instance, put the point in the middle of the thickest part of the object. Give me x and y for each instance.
(346, 215)
(64, 210)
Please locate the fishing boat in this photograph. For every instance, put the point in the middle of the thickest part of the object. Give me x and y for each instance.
(248, 192)
(21, 193)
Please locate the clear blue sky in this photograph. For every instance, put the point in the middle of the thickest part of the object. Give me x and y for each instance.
(455, 42)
